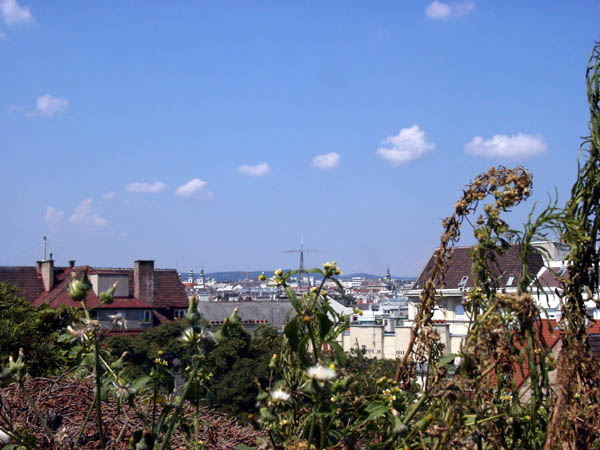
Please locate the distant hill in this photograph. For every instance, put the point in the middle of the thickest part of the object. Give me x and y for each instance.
(240, 275)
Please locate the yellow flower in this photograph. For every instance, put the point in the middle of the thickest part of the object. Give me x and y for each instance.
(261, 277)
(160, 353)
(278, 272)
(332, 366)
(326, 265)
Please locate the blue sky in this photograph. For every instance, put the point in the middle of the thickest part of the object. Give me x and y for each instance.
(214, 135)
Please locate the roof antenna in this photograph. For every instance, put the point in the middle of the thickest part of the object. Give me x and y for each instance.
(44, 247)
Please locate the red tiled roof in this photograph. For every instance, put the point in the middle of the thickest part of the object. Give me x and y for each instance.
(25, 278)
(507, 265)
(169, 292)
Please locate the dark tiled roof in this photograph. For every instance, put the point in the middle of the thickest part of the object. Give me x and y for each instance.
(274, 313)
(550, 277)
(594, 340)
(25, 278)
(507, 265)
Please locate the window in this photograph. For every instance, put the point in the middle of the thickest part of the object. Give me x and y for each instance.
(146, 315)
(510, 280)
(179, 313)
(463, 282)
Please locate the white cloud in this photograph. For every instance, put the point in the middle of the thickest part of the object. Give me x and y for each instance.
(326, 161)
(194, 187)
(258, 170)
(47, 106)
(12, 13)
(85, 213)
(53, 216)
(411, 143)
(146, 188)
(109, 195)
(441, 10)
(515, 146)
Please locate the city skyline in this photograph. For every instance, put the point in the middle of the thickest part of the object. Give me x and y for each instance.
(218, 135)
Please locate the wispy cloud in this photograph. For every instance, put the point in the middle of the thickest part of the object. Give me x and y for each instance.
(53, 216)
(326, 161)
(48, 106)
(86, 214)
(194, 188)
(145, 188)
(13, 14)
(109, 195)
(258, 170)
(411, 143)
(516, 146)
(441, 10)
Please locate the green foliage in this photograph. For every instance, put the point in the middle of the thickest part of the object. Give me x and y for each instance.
(143, 349)
(35, 331)
(238, 364)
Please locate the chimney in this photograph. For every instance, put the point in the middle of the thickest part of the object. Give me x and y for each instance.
(46, 268)
(38, 267)
(143, 280)
(71, 263)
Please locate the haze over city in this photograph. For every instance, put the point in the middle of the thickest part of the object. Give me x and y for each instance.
(218, 135)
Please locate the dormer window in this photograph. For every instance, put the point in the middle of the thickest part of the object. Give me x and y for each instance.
(510, 280)
(463, 282)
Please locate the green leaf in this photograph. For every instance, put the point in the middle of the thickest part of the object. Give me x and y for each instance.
(324, 324)
(303, 347)
(376, 410)
(140, 383)
(295, 303)
(340, 354)
(267, 415)
(243, 447)
(469, 419)
(448, 359)
(399, 427)
(291, 332)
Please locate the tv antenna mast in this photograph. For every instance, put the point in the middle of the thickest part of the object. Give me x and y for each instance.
(301, 250)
